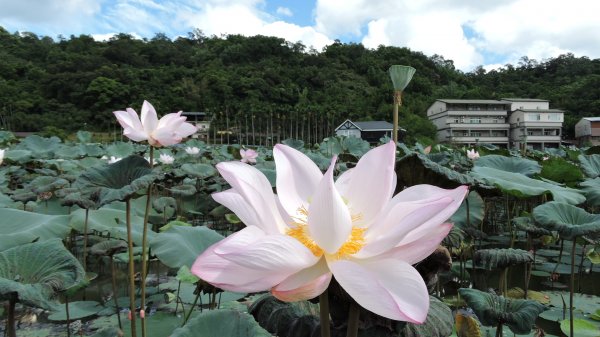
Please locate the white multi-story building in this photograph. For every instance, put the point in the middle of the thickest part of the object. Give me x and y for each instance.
(471, 121)
(533, 124)
(508, 122)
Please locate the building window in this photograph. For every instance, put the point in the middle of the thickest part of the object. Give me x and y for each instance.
(475, 120)
(534, 117)
(475, 134)
(554, 117)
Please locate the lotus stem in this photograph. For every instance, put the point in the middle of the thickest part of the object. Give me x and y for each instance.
(131, 267)
(193, 306)
(85, 242)
(324, 313)
(10, 320)
(527, 278)
(560, 252)
(177, 303)
(68, 318)
(353, 316)
(114, 289)
(144, 249)
(572, 287)
(499, 330)
(580, 270)
(397, 104)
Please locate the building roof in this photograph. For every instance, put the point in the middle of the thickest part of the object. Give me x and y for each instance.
(592, 119)
(540, 110)
(471, 101)
(525, 100)
(374, 125)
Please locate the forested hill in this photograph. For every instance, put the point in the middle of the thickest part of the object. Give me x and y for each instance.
(77, 82)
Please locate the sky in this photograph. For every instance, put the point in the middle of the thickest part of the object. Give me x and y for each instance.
(488, 33)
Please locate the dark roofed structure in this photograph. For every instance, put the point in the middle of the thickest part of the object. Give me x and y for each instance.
(370, 131)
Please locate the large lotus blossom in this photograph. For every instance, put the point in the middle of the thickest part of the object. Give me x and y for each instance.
(315, 228)
(169, 130)
(248, 156)
(472, 154)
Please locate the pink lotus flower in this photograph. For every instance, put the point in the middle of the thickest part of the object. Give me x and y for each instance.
(472, 154)
(169, 130)
(248, 156)
(315, 228)
(166, 159)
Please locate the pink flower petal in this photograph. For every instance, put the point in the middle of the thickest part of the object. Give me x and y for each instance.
(386, 287)
(418, 250)
(148, 117)
(256, 191)
(297, 178)
(329, 221)
(305, 284)
(372, 182)
(250, 261)
(132, 128)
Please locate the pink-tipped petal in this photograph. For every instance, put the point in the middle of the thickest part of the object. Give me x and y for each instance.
(400, 221)
(329, 221)
(245, 261)
(387, 287)
(305, 284)
(186, 129)
(148, 117)
(297, 178)
(372, 182)
(165, 137)
(418, 250)
(254, 187)
(132, 128)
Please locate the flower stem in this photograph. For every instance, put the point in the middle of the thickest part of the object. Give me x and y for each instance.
(114, 289)
(324, 313)
(145, 254)
(572, 287)
(131, 267)
(353, 320)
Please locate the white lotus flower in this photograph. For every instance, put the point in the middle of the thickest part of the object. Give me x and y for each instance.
(315, 228)
(166, 159)
(472, 154)
(192, 151)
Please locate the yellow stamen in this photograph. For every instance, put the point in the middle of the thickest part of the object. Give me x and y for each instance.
(299, 231)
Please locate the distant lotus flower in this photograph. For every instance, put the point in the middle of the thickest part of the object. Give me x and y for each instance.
(1, 155)
(169, 130)
(545, 158)
(248, 156)
(427, 149)
(113, 159)
(315, 228)
(166, 159)
(192, 150)
(472, 154)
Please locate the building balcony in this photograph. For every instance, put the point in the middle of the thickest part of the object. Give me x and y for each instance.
(479, 126)
(480, 139)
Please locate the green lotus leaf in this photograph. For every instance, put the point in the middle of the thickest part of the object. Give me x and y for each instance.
(88, 162)
(523, 166)
(518, 315)
(6, 137)
(36, 271)
(18, 156)
(163, 204)
(184, 274)
(232, 218)
(355, 146)
(199, 170)
(593, 256)
(416, 168)
(319, 159)
(74, 197)
(181, 245)
(454, 238)
(501, 257)
(278, 317)
(108, 247)
(111, 222)
(221, 323)
(118, 181)
(270, 174)
(581, 328)
(476, 211)
(174, 223)
(24, 196)
(19, 227)
(120, 149)
(65, 151)
(40, 147)
(568, 220)
(439, 321)
(77, 310)
(331, 146)
(591, 189)
(47, 184)
(183, 190)
(526, 223)
(84, 136)
(590, 165)
(522, 186)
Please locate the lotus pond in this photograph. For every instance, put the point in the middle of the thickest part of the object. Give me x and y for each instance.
(521, 259)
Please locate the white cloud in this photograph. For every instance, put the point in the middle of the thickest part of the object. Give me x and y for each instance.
(284, 11)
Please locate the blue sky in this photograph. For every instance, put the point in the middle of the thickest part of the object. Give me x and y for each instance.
(490, 33)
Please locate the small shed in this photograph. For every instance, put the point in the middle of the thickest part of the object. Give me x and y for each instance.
(371, 131)
(587, 131)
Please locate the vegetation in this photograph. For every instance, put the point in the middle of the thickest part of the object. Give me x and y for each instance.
(257, 85)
